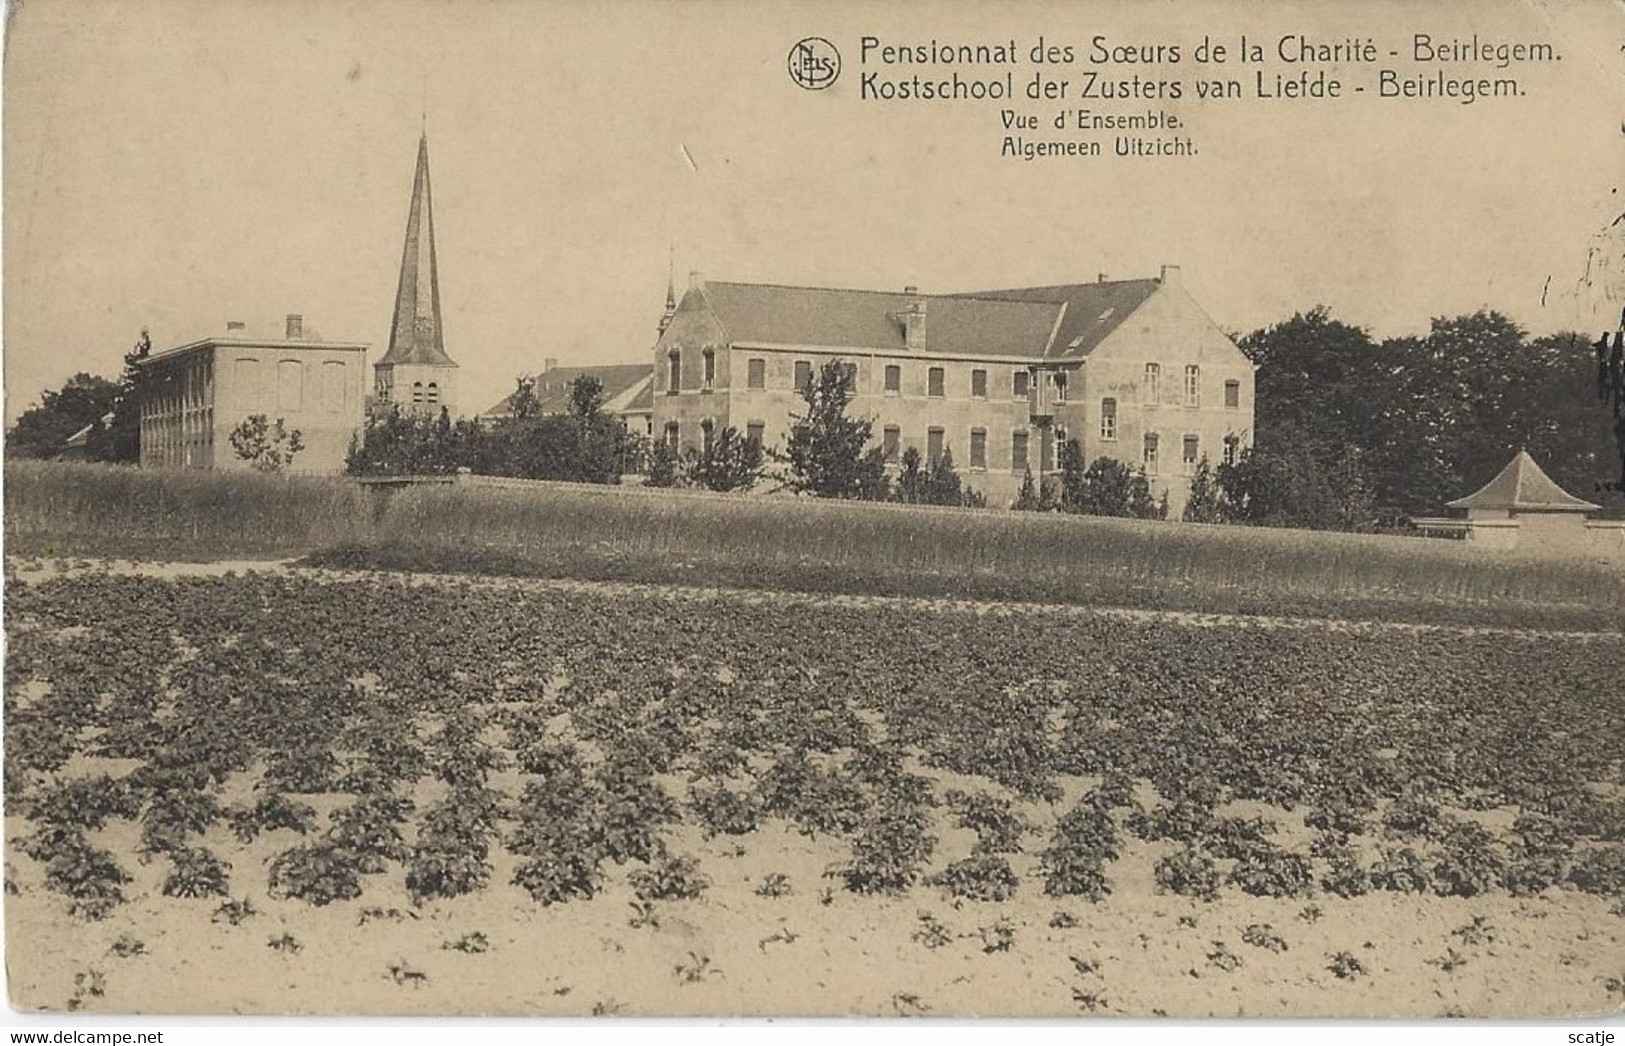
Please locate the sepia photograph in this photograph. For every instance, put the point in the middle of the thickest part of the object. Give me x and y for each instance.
(538, 508)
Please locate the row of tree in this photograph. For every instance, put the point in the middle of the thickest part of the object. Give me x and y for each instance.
(1351, 431)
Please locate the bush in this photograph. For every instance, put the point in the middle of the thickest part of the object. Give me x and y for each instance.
(318, 873)
(196, 873)
(980, 877)
(86, 802)
(269, 814)
(1188, 872)
(1344, 876)
(437, 870)
(1468, 862)
(1401, 871)
(998, 828)
(674, 879)
(1074, 865)
(554, 878)
(1600, 871)
(1268, 871)
(89, 876)
(887, 855)
(726, 812)
(369, 829)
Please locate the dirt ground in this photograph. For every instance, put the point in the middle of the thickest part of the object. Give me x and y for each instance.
(814, 949)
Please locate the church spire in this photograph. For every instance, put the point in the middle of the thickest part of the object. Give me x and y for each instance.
(415, 335)
(671, 289)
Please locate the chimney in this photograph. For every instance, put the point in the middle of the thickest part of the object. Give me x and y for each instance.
(1100, 277)
(696, 280)
(234, 326)
(296, 326)
(914, 321)
(1170, 276)
(911, 290)
(549, 363)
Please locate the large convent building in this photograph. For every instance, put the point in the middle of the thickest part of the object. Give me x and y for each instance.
(1131, 369)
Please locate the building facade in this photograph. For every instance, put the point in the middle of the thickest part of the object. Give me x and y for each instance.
(416, 374)
(194, 395)
(1132, 369)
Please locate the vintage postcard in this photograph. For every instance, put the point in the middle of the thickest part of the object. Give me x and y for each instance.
(1018, 509)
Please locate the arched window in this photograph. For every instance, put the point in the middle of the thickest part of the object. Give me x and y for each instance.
(707, 435)
(417, 392)
(434, 392)
(709, 375)
(674, 371)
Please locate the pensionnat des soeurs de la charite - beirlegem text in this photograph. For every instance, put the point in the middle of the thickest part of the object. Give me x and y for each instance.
(1294, 67)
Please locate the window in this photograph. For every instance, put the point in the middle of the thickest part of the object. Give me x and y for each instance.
(671, 434)
(247, 377)
(978, 384)
(1192, 452)
(709, 378)
(1151, 453)
(290, 392)
(332, 386)
(756, 374)
(894, 379)
(417, 392)
(933, 444)
(1018, 384)
(674, 371)
(433, 394)
(803, 374)
(1230, 445)
(1193, 386)
(1018, 451)
(934, 382)
(1108, 418)
(1060, 387)
(1232, 395)
(891, 440)
(978, 448)
(707, 431)
(1153, 383)
(753, 431)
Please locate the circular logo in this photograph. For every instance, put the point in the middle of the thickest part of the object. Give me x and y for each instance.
(814, 63)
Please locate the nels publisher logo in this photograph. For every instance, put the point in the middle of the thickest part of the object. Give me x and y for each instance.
(814, 63)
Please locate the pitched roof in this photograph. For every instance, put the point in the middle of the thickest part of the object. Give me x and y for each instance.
(1093, 310)
(817, 316)
(1523, 487)
(553, 386)
(415, 334)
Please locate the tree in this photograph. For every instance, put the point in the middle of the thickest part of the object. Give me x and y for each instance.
(120, 441)
(1027, 497)
(43, 430)
(586, 397)
(665, 465)
(1206, 504)
(911, 476)
(733, 461)
(267, 447)
(825, 450)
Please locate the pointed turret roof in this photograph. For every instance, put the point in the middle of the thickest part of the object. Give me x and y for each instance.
(415, 335)
(1523, 487)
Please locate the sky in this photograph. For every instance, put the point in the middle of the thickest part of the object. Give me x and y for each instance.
(175, 164)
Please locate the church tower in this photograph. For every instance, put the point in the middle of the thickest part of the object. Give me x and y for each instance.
(416, 374)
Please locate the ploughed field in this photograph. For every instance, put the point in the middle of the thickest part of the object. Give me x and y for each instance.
(291, 791)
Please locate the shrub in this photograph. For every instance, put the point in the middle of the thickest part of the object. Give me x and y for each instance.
(369, 829)
(1268, 871)
(436, 870)
(887, 855)
(554, 878)
(998, 828)
(196, 873)
(1235, 837)
(86, 802)
(1401, 871)
(1414, 816)
(674, 879)
(89, 876)
(269, 814)
(1467, 863)
(725, 812)
(1344, 876)
(318, 873)
(980, 877)
(1074, 865)
(1188, 872)
(1600, 871)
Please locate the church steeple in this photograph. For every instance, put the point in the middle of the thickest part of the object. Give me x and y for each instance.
(671, 290)
(416, 371)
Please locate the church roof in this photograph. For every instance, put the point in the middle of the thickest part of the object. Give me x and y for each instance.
(1093, 310)
(852, 319)
(415, 334)
(1522, 486)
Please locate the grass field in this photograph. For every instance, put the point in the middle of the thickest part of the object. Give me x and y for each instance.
(798, 545)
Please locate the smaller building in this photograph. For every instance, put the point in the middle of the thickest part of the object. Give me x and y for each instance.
(627, 393)
(1522, 508)
(196, 394)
